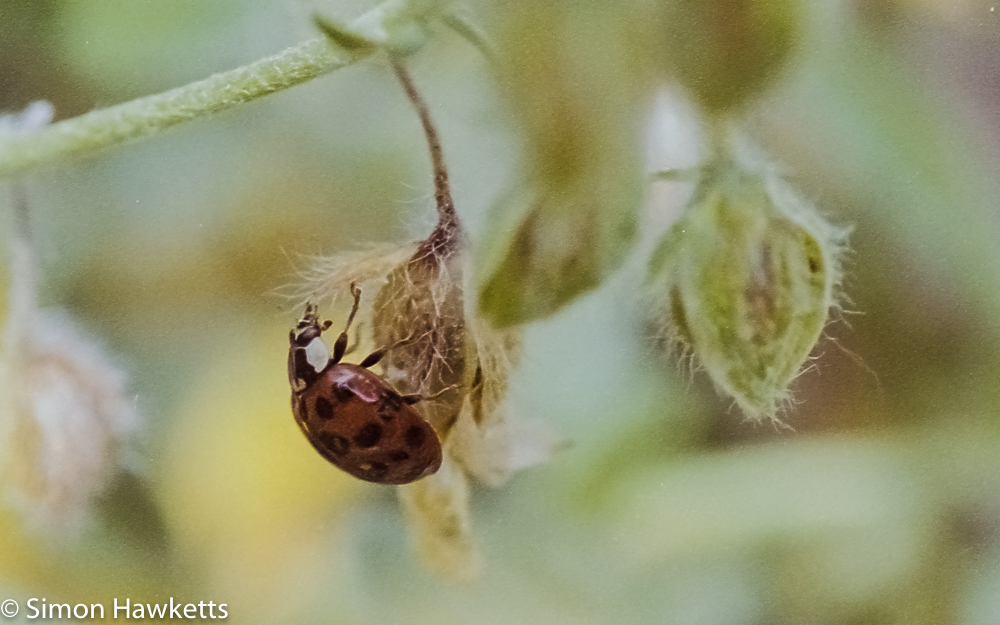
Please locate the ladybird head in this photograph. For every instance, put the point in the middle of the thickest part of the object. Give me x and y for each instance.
(308, 327)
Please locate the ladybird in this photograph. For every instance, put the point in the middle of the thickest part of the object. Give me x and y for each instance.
(352, 416)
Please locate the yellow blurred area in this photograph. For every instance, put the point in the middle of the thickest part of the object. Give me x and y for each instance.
(241, 488)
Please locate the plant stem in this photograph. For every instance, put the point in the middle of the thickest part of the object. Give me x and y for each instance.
(448, 232)
(99, 129)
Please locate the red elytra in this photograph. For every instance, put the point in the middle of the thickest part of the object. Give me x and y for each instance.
(353, 417)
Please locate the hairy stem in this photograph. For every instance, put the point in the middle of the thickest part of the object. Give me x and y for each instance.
(102, 128)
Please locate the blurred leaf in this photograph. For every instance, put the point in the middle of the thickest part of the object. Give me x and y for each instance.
(744, 498)
(566, 245)
(726, 51)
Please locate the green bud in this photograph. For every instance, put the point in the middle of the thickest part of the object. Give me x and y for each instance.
(400, 26)
(726, 51)
(570, 79)
(563, 245)
(745, 281)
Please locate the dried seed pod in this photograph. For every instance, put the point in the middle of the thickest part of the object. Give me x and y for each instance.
(421, 308)
(745, 281)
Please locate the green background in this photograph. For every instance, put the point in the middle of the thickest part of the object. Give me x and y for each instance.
(881, 505)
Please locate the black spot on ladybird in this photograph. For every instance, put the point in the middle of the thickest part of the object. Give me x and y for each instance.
(334, 443)
(415, 436)
(369, 435)
(324, 409)
(398, 455)
(390, 405)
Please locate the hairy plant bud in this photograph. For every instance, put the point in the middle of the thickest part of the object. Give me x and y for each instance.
(65, 417)
(67, 420)
(745, 280)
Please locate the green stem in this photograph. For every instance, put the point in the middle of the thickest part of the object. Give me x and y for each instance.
(719, 129)
(90, 132)
(142, 117)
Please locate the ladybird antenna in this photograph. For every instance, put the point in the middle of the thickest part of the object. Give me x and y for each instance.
(448, 227)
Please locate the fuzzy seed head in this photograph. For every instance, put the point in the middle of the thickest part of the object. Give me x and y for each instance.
(421, 309)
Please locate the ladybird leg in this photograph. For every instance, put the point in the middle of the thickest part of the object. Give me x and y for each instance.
(340, 346)
(409, 400)
(357, 340)
(376, 356)
(373, 358)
